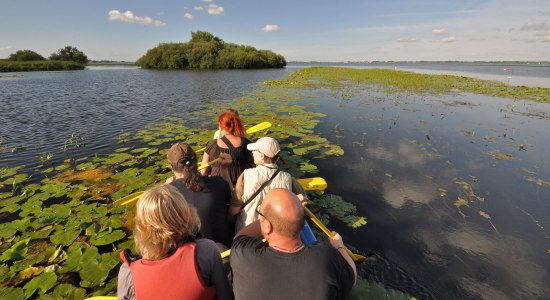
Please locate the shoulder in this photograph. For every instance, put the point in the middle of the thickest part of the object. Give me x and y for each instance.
(212, 145)
(246, 243)
(206, 248)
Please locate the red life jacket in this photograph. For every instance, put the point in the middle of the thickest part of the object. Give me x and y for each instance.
(174, 277)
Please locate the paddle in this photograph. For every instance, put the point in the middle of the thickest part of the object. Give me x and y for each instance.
(133, 198)
(355, 257)
(251, 130)
(309, 184)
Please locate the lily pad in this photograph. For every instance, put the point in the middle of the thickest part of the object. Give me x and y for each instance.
(8, 172)
(66, 291)
(107, 237)
(65, 236)
(12, 293)
(95, 268)
(16, 252)
(43, 283)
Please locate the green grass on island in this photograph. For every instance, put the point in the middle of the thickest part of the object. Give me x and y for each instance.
(39, 65)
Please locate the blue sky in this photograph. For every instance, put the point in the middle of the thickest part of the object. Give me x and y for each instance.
(300, 30)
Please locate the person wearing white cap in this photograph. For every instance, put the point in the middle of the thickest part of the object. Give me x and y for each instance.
(253, 184)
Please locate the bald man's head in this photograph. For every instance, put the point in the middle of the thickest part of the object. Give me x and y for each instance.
(285, 212)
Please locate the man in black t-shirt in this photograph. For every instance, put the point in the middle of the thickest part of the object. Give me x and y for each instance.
(283, 267)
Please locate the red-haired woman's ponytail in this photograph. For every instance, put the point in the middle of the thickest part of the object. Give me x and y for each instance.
(229, 121)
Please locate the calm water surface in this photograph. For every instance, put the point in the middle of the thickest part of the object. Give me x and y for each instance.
(448, 185)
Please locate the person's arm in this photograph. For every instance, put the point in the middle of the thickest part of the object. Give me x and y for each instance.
(125, 288)
(205, 160)
(237, 198)
(299, 191)
(253, 230)
(337, 242)
(211, 269)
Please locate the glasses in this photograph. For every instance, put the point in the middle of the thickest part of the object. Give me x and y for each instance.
(259, 213)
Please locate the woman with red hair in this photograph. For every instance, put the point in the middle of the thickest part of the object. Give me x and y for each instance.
(233, 142)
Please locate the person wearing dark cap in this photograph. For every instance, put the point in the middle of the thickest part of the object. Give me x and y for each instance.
(253, 184)
(209, 195)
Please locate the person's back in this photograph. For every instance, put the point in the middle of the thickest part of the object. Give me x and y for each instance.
(315, 272)
(212, 205)
(282, 267)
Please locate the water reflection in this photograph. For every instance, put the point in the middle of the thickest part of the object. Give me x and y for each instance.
(452, 188)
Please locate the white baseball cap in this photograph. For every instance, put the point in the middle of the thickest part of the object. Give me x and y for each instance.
(266, 145)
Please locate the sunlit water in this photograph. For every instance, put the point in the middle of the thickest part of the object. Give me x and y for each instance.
(408, 161)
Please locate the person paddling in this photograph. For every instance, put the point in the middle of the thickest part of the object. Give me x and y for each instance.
(233, 142)
(174, 263)
(253, 184)
(209, 195)
(283, 267)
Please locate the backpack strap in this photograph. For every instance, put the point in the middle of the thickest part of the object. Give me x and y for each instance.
(260, 189)
(228, 143)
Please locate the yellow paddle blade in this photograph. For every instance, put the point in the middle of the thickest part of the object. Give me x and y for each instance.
(259, 127)
(128, 200)
(226, 253)
(314, 219)
(313, 184)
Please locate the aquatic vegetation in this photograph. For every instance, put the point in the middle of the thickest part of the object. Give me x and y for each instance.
(393, 81)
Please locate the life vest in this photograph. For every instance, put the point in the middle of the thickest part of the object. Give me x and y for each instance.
(253, 180)
(174, 277)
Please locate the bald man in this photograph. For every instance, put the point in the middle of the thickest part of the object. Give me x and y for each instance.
(283, 267)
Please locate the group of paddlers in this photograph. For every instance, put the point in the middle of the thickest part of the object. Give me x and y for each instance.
(243, 202)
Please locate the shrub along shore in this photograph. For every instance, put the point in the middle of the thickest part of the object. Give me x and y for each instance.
(39, 65)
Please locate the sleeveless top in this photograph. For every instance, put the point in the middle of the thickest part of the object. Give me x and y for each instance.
(241, 157)
(174, 277)
(253, 179)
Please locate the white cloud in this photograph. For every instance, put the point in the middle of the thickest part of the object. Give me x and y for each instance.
(129, 17)
(188, 16)
(407, 40)
(270, 28)
(198, 8)
(535, 26)
(207, 1)
(440, 31)
(213, 9)
(448, 39)
(4, 48)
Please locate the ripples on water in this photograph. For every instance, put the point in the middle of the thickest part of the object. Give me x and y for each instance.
(41, 110)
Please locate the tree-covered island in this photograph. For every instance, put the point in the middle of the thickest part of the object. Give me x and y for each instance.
(67, 58)
(206, 51)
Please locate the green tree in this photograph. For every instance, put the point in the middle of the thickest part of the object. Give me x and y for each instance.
(25, 55)
(206, 51)
(70, 53)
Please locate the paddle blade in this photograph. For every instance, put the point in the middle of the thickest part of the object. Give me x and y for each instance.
(129, 200)
(313, 184)
(259, 127)
(225, 253)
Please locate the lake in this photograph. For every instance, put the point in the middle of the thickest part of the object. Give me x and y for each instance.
(454, 188)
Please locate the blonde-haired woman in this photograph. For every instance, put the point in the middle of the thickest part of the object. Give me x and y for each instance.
(174, 263)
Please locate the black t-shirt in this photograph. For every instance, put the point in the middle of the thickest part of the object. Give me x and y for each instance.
(212, 204)
(315, 272)
(241, 158)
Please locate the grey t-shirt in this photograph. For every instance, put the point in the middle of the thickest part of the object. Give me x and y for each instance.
(315, 272)
(209, 265)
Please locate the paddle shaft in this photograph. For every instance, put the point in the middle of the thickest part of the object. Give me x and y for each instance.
(314, 219)
(251, 130)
